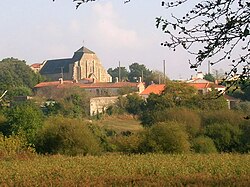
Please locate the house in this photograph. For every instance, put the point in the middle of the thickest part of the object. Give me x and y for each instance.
(83, 64)
(95, 88)
(153, 88)
(36, 67)
(203, 86)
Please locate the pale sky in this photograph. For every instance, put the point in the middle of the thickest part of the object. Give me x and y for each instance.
(38, 30)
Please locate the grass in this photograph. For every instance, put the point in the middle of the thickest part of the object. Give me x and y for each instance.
(124, 170)
(121, 123)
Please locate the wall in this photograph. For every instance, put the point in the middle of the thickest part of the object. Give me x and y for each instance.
(100, 104)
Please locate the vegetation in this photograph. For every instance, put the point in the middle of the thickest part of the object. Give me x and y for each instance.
(61, 135)
(133, 170)
(17, 77)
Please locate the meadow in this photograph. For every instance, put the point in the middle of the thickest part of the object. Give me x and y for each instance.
(127, 170)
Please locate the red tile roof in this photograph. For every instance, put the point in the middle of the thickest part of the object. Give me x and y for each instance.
(153, 88)
(86, 86)
(36, 65)
(205, 85)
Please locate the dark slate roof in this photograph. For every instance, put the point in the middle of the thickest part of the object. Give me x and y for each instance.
(84, 50)
(54, 66)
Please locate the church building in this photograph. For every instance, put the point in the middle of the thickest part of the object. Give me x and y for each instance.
(83, 66)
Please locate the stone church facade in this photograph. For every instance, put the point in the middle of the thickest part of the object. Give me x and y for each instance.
(83, 66)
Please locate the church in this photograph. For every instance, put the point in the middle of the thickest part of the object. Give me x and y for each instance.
(83, 66)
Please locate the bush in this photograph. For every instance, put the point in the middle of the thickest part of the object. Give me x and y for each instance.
(167, 137)
(188, 118)
(134, 104)
(225, 136)
(221, 116)
(245, 140)
(25, 118)
(14, 145)
(126, 143)
(203, 144)
(67, 136)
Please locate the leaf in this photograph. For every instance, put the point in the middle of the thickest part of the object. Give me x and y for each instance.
(164, 26)
(158, 21)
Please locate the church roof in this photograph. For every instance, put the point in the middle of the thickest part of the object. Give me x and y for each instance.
(84, 50)
(55, 66)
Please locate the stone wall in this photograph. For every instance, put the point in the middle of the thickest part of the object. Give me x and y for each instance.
(100, 104)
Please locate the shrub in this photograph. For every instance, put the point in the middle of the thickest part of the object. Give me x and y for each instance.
(203, 144)
(221, 116)
(126, 144)
(167, 137)
(225, 136)
(134, 104)
(67, 136)
(14, 145)
(188, 118)
(26, 118)
(245, 140)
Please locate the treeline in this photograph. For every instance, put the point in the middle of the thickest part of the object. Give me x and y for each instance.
(177, 121)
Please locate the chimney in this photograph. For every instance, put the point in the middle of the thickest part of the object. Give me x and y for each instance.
(116, 79)
(61, 81)
(140, 79)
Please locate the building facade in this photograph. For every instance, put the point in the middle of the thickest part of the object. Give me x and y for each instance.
(83, 65)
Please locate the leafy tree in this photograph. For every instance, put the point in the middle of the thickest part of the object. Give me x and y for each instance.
(241, 91)
(115, 73)
(25, 118)
(168, 137)
(138, 70)
(203, 144)
(225, 136)
(66, 136)
(156, 77)
(209, 101)
(72, 102)
(209, 77)
(17, 77)
(134, 104)
(218, 27)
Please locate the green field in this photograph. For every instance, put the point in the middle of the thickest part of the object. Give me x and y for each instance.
(121, 123)
(122, 170)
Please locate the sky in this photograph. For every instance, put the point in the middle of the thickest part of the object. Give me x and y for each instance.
(40, 30)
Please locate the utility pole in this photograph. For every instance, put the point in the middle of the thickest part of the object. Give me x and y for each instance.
(119, 72)
(62, 71)
(208, 68)
(164, 70)
(142, 75)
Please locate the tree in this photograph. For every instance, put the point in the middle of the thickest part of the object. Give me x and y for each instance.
(156, 77)
(17, 77)
(168, 137)
(134, 104)
(25, 118)
(138, 70)
(225, 136)
(115, 73)
(67, 136)
(218, 27)
(209, 77)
